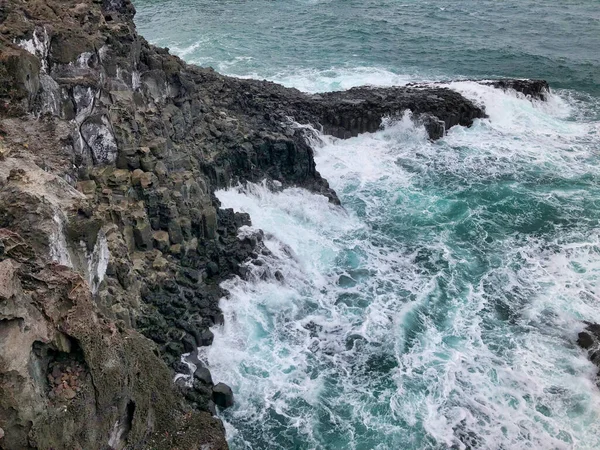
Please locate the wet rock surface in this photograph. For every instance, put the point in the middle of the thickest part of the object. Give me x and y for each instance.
(589, 339)
(112, 242)
(222, 395)
(536, 89)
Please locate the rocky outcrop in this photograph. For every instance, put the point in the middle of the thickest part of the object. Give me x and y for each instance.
(112, 243)
(535, 89)
(589, 339)
(63, 365)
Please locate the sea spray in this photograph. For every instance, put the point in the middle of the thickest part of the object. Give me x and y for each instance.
(439, 307)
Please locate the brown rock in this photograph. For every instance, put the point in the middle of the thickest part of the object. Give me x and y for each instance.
(119, 177)
(161, 240)
(160, 263)
(148, 179)
(88, 187)
(9, 286)
(136, 177)
(175, 249)
(69, 393)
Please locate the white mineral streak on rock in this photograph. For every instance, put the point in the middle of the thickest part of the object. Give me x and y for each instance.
(50, 95)
(98, 262)
(38, 45)
(136, 80)
(83, 60)
(58, 242)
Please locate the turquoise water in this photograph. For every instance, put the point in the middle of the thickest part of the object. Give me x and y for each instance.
(293, 40)
(439, 308)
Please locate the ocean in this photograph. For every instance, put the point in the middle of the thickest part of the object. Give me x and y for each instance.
(439, 306)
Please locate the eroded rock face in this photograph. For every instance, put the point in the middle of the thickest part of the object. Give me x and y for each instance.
(110, 153)
(62, 364)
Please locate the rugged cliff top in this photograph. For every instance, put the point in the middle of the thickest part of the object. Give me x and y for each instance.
(112, 243)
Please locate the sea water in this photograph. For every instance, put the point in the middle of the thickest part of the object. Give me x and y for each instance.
(439, 306)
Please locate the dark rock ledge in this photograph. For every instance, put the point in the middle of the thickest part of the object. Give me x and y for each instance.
(112, 243)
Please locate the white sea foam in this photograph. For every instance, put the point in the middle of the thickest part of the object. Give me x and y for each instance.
(425, 314)
(339, 79)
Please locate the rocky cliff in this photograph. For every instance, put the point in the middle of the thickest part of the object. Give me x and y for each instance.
(112, 243)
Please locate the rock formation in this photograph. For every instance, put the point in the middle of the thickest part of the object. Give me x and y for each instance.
(589, 340)
(112, 243)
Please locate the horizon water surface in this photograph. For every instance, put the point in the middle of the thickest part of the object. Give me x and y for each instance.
(439, 307)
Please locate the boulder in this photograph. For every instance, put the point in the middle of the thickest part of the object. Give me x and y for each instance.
(222, 395)
(204, 338)
(212, 269)
(203, 374)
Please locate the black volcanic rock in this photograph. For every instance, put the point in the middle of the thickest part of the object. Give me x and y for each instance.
(536, 89)
(589, 339)
(110, 154)
(222, 395)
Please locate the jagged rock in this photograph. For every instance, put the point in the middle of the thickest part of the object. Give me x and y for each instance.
(160, 169)
(189, 343)
(585, 340)
(212, 408)
(136, 177)
(119, 177)
(222, 395)
(175, 232)
(192, 358)
(9, 286)
(148, 163)
(160, 263)
(148, 180)
(175, 249)
(109, 378)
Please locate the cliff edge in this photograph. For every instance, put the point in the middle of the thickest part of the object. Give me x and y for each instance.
(112, 243)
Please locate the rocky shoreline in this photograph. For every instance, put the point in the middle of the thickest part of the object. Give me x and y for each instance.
(112, 242)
